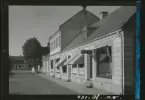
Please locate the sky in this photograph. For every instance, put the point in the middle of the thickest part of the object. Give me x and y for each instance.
(41, 22)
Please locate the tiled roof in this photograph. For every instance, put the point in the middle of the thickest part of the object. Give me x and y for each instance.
(110, 23)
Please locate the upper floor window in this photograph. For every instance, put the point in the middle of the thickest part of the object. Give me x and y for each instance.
(50, 46)
(54, 44)
(69, 56)
(59, 41)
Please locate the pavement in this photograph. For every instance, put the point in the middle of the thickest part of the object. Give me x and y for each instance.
(26, 82)
(81, 89)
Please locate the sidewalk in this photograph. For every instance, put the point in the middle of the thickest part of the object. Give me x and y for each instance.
(81, 89)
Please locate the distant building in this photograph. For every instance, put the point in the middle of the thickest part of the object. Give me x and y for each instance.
(18, 62)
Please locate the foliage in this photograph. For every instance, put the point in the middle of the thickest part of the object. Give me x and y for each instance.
(33, 52)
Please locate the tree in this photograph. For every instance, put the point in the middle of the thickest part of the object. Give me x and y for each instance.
(32, 52)
(46, 50)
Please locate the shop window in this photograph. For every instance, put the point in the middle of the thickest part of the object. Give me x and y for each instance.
(64, 69)
(103, 56)
(81, 69)
(74, 68)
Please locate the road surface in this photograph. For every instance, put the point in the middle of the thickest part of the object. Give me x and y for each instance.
(26, 82)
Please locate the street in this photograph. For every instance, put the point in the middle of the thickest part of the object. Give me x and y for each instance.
(26, 82)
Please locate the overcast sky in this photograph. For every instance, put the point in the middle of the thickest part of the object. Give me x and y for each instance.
(41, 22)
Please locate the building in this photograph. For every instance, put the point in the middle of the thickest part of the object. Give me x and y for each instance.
(100, 53)
(45, 64)
(66, 33)
(18, 62)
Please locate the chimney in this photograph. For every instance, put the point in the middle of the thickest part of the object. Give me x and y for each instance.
(84, 7)
(84, 27)
(103, 14)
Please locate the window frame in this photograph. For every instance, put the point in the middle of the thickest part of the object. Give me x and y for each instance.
(64, 66)
(76, 67)
(97, 54)
(59, 41)
(79, 69)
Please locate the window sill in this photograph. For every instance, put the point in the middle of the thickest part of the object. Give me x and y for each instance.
(104, 76)
(74, 73)
(82, 74)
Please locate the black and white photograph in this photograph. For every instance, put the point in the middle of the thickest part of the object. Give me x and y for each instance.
(72, 50)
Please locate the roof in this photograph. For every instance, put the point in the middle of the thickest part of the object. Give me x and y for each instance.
(72, 29)
(76, 15)
(16, 57)
(110, 23)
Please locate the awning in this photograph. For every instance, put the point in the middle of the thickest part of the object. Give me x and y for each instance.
(72, 57)
(61, 61)
(79, 59)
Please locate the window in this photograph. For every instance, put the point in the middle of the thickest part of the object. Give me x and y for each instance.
(51, 64)
(54, 44)
(59, 41)
(50, 46)
(57, 60)
(81, 69)
(69, 56)
(64, 69)
(74, 68)
(103, 56)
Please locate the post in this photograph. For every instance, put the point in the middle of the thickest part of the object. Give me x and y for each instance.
(87, 66)
(69, 72)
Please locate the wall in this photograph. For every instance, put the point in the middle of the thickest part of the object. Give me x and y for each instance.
(56, 50)
(129, 63)
(71, 28)
(130, 55)
(53, 57)
(107, 83)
